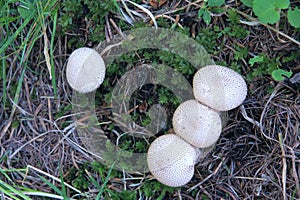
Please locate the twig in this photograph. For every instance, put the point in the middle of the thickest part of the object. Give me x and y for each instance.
(28, 142)
(294, 174)
(116, 27)
(145, 10)
(176, 21)
(128, 10)
(244, 113)
(264, 111)
(46, 53)
(284, 167)
(54, 178)
(208, 177)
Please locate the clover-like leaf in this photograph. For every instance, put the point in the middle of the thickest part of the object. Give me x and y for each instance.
(216, 3)
(248, 3)
(280, 74)
(294, 16)
(283, 4)
(256, 59)
(266, 11)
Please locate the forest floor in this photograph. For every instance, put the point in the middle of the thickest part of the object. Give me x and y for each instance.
(42, 154)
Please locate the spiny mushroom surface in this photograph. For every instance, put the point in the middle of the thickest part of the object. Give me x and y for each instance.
(85, 70)
(171, 160)
(219, 87)
(197, 124)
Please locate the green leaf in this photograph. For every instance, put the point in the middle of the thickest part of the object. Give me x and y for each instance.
(24, 12)
(256, 59)
(206, 17)
(266, 12)
(294, 16)
(200, 12)
(25, 9)
(248, 3)
(283, 4)
(280, 74)
(212, 3)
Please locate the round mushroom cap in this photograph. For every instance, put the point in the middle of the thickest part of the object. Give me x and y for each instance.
(171, 160)
(85, 70)
(197, 124)
(219, 87)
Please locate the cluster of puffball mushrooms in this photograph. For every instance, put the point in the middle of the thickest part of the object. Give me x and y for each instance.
(197, 122)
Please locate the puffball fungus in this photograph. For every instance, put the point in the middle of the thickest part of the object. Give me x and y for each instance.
(171, 160)
(197, 124)
(219, 87)
(85, 70)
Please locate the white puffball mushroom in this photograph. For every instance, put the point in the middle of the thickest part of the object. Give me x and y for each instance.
(197, 124)
(85, 70)
(171, 160)
(219, 87)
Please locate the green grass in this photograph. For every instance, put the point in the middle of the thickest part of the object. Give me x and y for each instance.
(17, 192)
(34, 22)
(27, 22)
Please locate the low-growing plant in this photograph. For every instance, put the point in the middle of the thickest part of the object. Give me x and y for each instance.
(154, 188)
(208, 7)
(269, 11)
(85, 14)
(268, 66)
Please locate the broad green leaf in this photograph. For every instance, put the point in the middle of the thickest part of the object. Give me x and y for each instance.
(294, 17)
(200, 12)
(266, 11)
(206, 17)
(283, 4)
(280, 74)
(215, 3)
(248, 3)
(256, 59)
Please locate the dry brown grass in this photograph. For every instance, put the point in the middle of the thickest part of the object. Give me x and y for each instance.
(258, 159)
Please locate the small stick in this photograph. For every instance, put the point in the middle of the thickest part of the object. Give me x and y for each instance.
(176, 21)
(116, 27)
(54, 178)
(244, 113)
(208, 177)
(284, 167)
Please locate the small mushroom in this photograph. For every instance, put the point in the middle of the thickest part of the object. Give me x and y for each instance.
(219, 87)
(197, 124)
(171, 160)
(85, 70)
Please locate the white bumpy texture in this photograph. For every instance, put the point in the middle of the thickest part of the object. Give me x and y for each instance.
(219, 87)
(171, 160)
(197, 124)
(85, 70)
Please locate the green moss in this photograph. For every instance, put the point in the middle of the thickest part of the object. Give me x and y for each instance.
(85, 18)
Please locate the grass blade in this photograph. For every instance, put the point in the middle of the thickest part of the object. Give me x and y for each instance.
(106, 180)
(51, 54)
(56, 189)
(4, 98)
(63, 187)
(12, 190)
